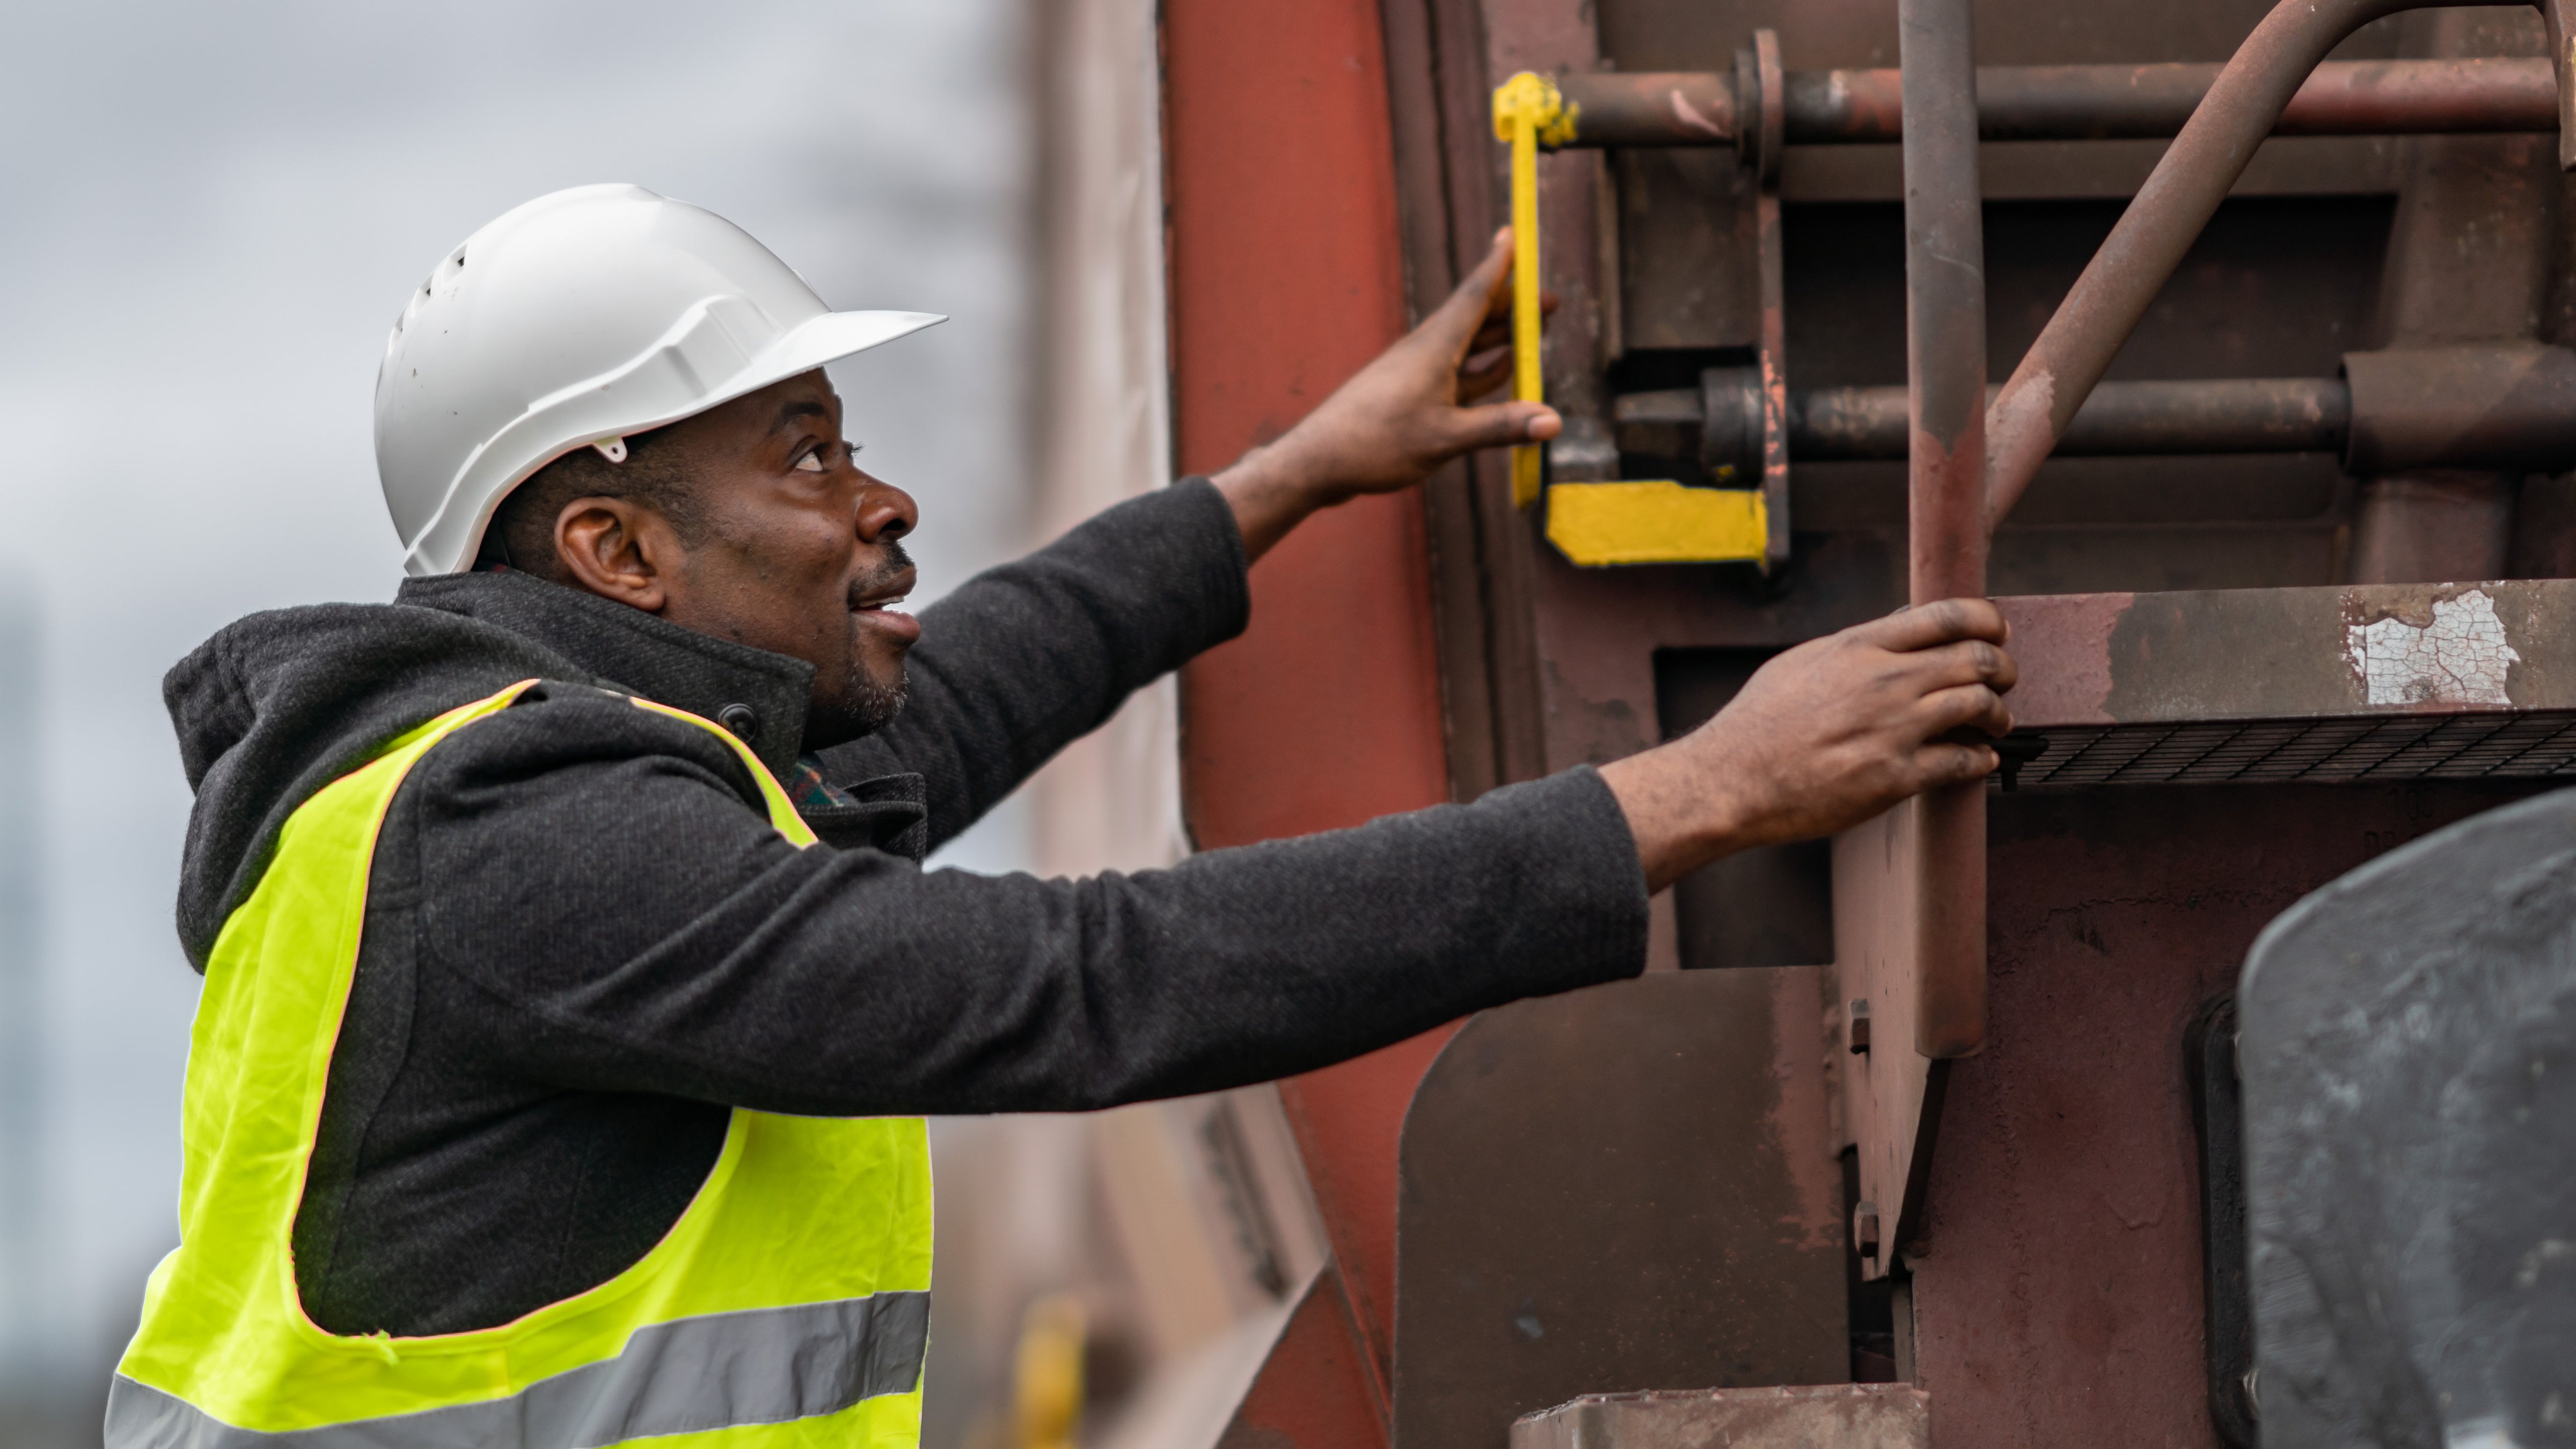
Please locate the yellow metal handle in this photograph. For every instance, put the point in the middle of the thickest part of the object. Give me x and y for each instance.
(1528, 110)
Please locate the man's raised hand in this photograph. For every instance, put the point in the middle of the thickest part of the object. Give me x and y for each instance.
(1406, 413)
(1825, 736)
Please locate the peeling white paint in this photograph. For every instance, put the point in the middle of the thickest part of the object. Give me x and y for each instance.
(2461, 657)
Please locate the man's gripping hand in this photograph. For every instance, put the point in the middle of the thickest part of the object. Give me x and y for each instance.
(1402, 416)
(1823, 737)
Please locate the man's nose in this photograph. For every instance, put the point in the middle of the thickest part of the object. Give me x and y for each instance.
(886, 513)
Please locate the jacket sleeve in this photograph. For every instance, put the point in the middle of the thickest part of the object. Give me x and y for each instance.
(595, 878)
(1023, 659)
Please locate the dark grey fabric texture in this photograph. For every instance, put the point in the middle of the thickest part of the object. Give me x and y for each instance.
(584, 944)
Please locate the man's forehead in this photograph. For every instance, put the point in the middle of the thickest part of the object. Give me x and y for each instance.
(798, 399)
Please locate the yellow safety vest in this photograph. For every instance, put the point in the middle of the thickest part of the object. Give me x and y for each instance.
(789, 1305)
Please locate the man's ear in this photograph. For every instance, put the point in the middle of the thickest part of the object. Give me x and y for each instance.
(618, 549)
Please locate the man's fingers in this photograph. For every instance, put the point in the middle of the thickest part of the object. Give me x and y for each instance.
(1927, 625)
(1969, 661)
(1483, 373)
(1960, 708)
(1938, 764)
(1485, 290)
(1497, 328)
(1500, 425)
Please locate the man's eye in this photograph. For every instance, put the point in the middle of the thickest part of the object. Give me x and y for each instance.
(813, 463)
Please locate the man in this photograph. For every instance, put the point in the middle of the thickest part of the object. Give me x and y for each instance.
(551, 1086)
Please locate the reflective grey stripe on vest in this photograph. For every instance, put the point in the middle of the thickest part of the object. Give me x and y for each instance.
(761, 1366)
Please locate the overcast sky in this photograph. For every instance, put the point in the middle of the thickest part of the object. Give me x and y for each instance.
(215, 212)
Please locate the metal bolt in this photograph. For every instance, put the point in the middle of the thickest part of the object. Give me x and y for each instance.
(1865, 1228)
(1859, 1027)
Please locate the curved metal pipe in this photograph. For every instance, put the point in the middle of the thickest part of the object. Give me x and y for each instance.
(2181, 195)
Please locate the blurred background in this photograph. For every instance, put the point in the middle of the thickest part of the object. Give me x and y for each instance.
(214, 214)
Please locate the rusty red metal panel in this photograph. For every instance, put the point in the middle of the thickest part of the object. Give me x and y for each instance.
(2399, 681)
(1286, 275)
(2057, 1273)
(1628, 1187)
(1349, 1122)
(2360, 651)
(1313, 1391)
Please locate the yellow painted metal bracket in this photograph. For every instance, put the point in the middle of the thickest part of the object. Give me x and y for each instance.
(1528, 112)
(1599, 524)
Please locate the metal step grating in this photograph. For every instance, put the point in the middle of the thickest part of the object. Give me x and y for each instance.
(2388, 747)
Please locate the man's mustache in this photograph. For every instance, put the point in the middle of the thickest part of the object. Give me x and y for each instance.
(890, 567)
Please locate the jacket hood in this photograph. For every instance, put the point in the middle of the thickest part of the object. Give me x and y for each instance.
(277, 705)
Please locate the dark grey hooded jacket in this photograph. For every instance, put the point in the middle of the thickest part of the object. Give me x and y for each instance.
(584, 944)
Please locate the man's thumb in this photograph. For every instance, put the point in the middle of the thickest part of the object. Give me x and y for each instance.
(1503, 424)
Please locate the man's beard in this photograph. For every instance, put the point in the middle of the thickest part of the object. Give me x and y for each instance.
(862, 704)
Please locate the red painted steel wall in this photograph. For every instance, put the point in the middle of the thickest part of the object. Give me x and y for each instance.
(1286, 277)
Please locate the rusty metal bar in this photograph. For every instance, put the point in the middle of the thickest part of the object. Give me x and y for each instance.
(2120, 419)
(2510, 407)
(2072, 102)
(1653, 108)
(1945, 344)
(2179, 197)
(2122, 102)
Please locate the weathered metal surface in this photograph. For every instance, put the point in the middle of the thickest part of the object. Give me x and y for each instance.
(2218, 1122)
(2074, 102)
(2508, 406)
(2359, 682)
(2014, 1340)
(1927, 857)
(2120, 419)
(1629, 1187)
(2561, 18)
(1676, 108)
(1945, 299)
(2341, 98)
(1831, 1416)
(2353, 652)
(1289, 733)
(1909, 887)
(1891, 1094)
(2057, 1277)
(2178, 200)
(1315, 1387)
(2468, 263)
(2408, 1034)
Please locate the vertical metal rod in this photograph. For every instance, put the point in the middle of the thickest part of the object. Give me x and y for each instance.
(1526, 384)
(1768, 125)
(1945, 338)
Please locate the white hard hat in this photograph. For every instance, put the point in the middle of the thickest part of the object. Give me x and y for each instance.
(575, 320)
